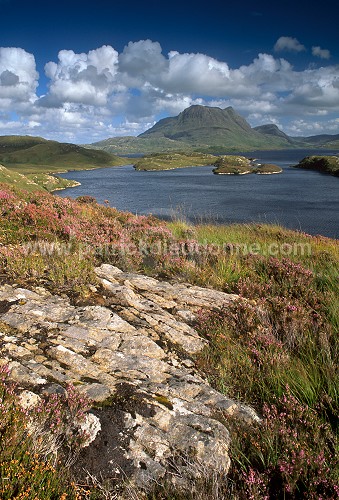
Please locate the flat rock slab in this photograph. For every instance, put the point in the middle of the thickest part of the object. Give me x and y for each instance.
(135, 356)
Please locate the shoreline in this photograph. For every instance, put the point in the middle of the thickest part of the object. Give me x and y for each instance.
(76, 183)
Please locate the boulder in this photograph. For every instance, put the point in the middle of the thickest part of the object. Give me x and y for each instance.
(135, 358)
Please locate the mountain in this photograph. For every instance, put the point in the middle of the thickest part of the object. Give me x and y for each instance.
(323, 140)
(210, 130)
(33, 154)
(272, 129)
(221, 129)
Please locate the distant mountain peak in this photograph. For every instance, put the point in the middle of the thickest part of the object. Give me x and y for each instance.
(211, 128)
(201, 125)
(271, 129)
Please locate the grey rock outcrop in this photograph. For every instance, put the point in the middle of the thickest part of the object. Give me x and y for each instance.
(134, 357)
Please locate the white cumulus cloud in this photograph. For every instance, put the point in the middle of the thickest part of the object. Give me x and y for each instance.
(288, 43)
(18, 76)
(322, 53)
(82, 78)
(94, 95)
(142, 61)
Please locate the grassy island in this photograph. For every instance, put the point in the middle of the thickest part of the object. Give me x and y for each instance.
(232, 165)
(170, 161)
(326, 164)
(227, 164)
(267, 169)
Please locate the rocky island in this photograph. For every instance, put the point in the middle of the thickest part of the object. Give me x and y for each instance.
(240, 165)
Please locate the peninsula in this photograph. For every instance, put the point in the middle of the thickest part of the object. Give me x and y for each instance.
(29, 162)
(170, 161)
(326, 164)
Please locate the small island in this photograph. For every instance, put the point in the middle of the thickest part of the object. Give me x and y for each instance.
(170, 161)
(224, 165)
(325, 164)
(240, 165)
(267, 169)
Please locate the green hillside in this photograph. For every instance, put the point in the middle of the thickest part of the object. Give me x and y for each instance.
(34, 154)
(272, 130)
(333, 144)
(141, 145)
(34, 182)
(319, 141)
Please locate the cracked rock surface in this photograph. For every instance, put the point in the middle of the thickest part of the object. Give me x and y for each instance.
(135, 358)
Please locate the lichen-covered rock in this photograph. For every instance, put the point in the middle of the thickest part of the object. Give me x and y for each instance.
(134, 357)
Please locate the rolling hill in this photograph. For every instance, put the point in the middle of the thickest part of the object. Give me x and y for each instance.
(34, 154)
(139, 145)
(322, 141)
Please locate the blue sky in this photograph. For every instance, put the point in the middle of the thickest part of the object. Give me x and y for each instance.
(83, 71)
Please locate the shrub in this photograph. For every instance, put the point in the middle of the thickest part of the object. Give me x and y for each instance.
(29, 467)
(290, 454)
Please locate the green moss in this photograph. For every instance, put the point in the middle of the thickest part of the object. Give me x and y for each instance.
(163, 400)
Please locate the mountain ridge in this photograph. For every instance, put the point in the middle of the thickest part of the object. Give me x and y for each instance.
(203, 126)
(211, 130)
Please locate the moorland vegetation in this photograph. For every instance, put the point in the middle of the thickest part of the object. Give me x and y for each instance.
(275, 349)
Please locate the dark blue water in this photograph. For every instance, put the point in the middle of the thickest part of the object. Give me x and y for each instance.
(297, 199)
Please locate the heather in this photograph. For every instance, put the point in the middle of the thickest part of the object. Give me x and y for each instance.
(275, 348)
(58, 241)
(36, 447)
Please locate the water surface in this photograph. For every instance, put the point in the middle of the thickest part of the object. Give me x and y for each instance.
(298, 199)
